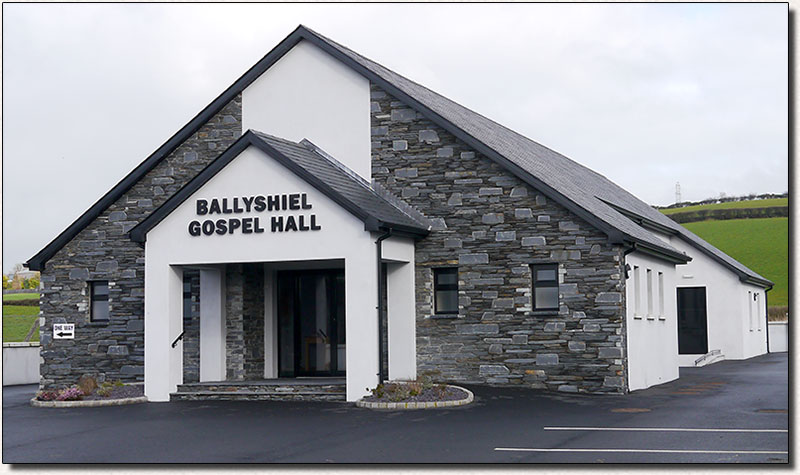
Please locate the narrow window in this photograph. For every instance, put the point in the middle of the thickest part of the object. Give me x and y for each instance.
(757, 312)
(99, 297)
(445, 290)
(637, 292)
(187, 298)
(661, 295)
(750, 308)
(545, 286)
(650, 293)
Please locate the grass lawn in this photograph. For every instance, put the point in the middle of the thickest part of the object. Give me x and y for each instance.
(26, 310)
(770, 203)
(760, 244)
(16, 327)
(27, 296)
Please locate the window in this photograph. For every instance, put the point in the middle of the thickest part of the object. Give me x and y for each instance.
(187, 298)
(445, 290)
(637, 292)
(661, 296)
(99, 296)
(757, 311)
(649, 293)
(545, 287)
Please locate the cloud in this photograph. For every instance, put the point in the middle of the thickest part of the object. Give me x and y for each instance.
(646, 94)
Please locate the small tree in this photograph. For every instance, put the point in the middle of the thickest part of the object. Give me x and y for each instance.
(33, 283)
(6, 283)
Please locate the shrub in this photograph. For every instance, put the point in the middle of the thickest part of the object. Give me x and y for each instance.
(87, 384)
(378, 391)
(414, 388)
(398, 392)
(47, 395)
(441, 390)
(70, 394)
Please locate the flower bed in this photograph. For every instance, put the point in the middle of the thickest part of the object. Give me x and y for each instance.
(87, 393)
(418, 394)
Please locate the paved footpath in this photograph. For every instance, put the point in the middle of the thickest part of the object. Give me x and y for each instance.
(733, 411)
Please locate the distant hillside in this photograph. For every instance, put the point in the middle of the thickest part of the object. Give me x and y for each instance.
(765, 208)
(760, 244)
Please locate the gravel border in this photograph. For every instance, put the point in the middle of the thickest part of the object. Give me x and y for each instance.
(418, 405)
(91, 403)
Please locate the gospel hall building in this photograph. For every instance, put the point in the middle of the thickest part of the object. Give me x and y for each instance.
(325, 224)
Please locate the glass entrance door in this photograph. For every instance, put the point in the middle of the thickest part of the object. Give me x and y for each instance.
(311, 323)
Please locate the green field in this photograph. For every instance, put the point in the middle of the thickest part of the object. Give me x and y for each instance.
(20, 310)
(760, 244)
(27, 296)
(16, 327)
(770, 203)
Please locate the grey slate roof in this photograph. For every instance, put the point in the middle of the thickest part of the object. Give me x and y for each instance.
(318, 169)
(579, 184)
(345, 182)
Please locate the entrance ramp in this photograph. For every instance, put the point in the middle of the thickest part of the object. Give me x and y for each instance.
(712, 356)
(282, 389)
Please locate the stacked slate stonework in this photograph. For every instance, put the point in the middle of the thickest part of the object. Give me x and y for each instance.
(493, 226)
(102, 251)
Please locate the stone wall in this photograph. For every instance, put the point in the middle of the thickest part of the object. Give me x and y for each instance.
(102, 251)
(191, 330)
(234, 322)
(244, 317)
(493, 227)
(253, 308)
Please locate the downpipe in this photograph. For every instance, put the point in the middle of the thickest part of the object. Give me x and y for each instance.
(379, 248)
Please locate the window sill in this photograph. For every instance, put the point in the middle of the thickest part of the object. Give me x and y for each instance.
(651, 318)
(662, 319)
(637, 317)
(446, 316)
(544, 313)
(97, 324)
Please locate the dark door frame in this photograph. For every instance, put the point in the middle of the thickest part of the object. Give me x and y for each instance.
(297, 334)
(704, 313)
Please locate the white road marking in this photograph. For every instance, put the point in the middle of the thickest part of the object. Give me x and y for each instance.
(646, 451)
(663, 429)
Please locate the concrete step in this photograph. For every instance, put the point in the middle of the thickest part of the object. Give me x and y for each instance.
(257, 396)
(323, 389)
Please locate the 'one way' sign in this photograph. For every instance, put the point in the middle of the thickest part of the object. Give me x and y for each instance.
(64, 331)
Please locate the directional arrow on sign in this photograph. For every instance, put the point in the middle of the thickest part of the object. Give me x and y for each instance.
(62, 334)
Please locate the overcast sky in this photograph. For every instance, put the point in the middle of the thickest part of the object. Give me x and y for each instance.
(648, 95)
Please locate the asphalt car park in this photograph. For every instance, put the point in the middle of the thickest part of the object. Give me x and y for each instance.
(732, 411)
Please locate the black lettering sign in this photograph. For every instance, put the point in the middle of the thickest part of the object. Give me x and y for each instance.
(214, 207)
(277, 224)
(252, 224)
(260, 204)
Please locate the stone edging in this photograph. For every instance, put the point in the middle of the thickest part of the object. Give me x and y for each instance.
(93, 403)
(418, 405)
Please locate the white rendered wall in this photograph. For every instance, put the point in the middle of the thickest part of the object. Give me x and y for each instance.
(212, 324)
(342, 237)
(308, 94)
(163, 322)
(20, 363)
(778, 337)
(726, 306)
(652, 337)
(401, 310)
